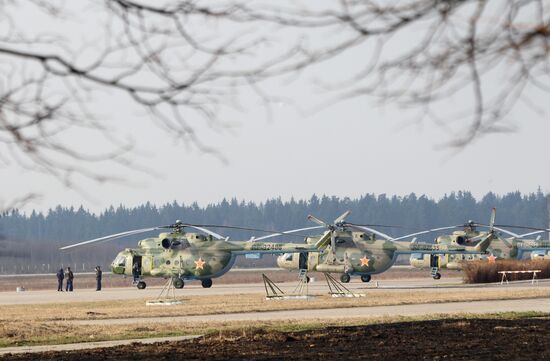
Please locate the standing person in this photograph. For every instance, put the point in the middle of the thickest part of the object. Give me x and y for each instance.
(135, 272)
(60, 276)
(98, 275)
(70, 277)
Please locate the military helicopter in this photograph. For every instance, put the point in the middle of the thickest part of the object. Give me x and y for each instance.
(499, 248)
(182, 255)
(359, 253)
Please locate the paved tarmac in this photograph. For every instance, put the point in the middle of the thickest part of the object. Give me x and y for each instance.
(90, 345)
(194, 289)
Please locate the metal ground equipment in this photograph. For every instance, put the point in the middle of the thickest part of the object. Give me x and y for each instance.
(167, 296)
(301, 291)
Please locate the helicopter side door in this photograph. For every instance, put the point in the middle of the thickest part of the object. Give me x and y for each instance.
(137, 260)
(302, 262)
(434, 261)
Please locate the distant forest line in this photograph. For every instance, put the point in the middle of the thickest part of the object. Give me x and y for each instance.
(34, 237)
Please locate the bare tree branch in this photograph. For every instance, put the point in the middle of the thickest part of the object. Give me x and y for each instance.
(181, 61)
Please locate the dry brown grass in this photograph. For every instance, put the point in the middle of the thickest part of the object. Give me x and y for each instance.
(485, 272)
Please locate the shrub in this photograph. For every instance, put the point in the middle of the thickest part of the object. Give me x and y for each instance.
(485, 272)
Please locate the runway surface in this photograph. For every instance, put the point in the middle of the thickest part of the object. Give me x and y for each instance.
(317, 287)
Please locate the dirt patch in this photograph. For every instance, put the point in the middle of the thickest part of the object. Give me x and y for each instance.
(462, 339)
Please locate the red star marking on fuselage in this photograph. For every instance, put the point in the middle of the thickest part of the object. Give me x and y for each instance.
(491, 259)
(364, 261)
(199, 264)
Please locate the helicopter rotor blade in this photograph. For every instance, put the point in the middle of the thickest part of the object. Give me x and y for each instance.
(255, 239)
(499, 228)
(342, 217)
(318, 221)
(272, 232)
(424, 232)
(371, 230)
(111, 237)
(530, 234)
(492, 219)
(523, 227)
(505, 231)
(374, 225)
(205, 230)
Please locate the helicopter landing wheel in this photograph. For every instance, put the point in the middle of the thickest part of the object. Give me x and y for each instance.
(207, 283)
(141, 285)
(437, 276)
(307, 279)
(365, 278)
(345, 278)
(178, 283)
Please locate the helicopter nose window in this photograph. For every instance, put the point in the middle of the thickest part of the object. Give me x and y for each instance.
(287, 257)
(120, 261)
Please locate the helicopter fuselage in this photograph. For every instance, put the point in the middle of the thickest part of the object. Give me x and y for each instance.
(358, 253)
(502, 248)
(190, 256)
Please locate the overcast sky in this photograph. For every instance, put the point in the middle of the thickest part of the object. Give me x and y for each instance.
(348, 149)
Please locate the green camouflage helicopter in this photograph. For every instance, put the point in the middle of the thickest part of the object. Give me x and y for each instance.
(499, 248)
(182, 256)
(359, 252)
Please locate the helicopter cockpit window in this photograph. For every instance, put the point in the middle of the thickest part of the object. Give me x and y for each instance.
(417, 256)
(287, 257)
(120, 261)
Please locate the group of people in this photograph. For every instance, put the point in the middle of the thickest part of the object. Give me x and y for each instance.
(69, 275)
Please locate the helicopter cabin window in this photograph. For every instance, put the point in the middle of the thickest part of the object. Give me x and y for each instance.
(287, 257)
(120, 261)
(168, 262)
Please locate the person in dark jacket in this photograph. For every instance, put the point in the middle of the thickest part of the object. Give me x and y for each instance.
(60, 276)
(98, 276)
(70, 277)
(135, 272)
